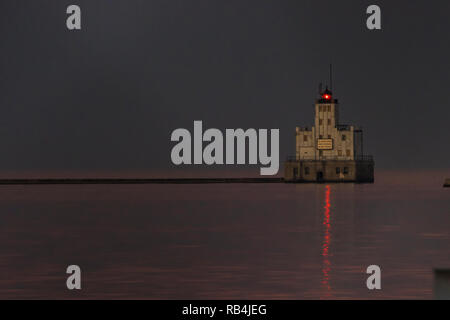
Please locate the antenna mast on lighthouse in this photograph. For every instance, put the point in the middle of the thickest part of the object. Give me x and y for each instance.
(331, 77)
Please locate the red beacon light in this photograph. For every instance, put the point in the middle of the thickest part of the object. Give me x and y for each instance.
(325, 95)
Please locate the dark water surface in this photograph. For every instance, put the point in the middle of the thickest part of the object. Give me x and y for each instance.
(255, 241)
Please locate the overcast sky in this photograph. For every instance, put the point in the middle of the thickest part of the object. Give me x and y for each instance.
(109, 96)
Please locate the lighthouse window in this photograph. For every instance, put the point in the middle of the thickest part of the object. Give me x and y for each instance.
(305, 138)
(320, 121)
(329, 121)
(338, 170)
(344, 137)
(306, 170)
(345, 170)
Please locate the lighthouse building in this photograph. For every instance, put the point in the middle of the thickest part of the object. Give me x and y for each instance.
(329, 151)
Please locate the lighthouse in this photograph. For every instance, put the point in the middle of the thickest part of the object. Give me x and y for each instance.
(329, 151)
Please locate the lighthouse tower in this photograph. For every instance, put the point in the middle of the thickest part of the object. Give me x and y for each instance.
(329, 150)
(328, 139)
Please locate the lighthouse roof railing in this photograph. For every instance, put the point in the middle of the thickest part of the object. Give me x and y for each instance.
(343, 127)
(326, 158)
(347, 127)
(326, 101)
(304, 128)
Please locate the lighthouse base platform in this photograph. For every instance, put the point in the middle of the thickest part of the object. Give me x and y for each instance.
(321, 171)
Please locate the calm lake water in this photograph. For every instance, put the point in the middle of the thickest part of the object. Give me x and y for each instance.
(221, 241)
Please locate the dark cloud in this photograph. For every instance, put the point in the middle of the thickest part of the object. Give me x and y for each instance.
(109, 96)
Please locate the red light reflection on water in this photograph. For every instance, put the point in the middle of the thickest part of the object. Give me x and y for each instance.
(326, 264)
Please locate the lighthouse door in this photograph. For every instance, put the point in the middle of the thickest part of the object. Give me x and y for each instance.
(319, 176)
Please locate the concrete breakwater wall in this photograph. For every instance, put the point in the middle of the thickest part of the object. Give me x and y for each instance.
(86, 181)
(137, 181)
